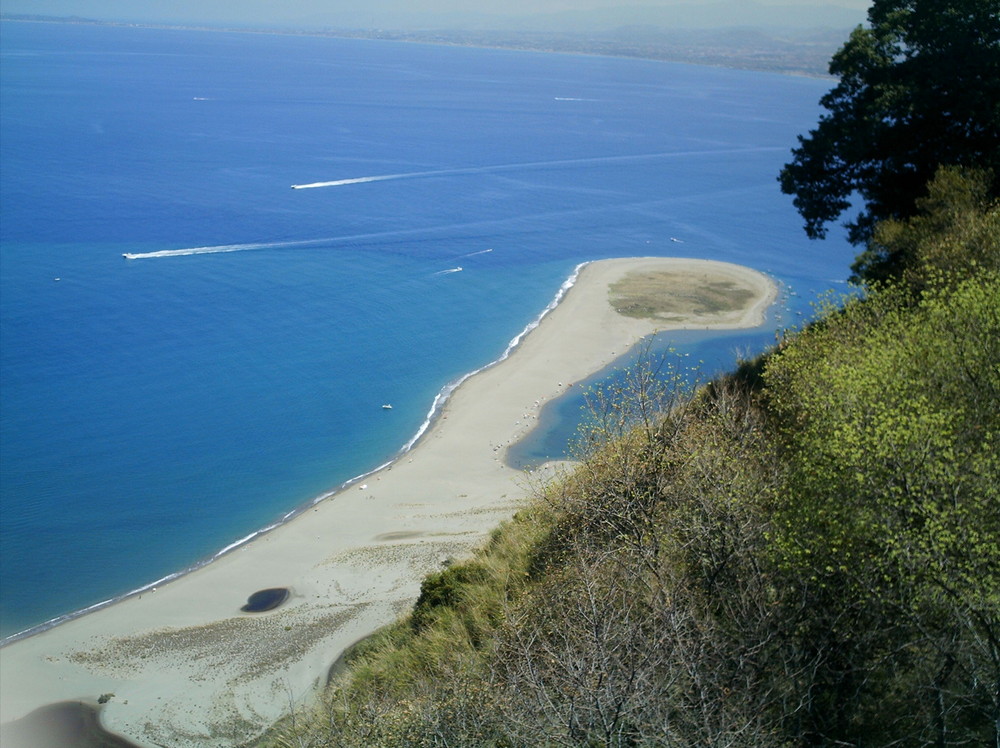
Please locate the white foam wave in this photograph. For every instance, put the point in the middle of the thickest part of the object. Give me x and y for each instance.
(442, 397)
(563, 289)
(53, 622)
(436, 406)
(238, 543)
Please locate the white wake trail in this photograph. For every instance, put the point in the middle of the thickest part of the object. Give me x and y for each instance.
(219, 249)
(498, 168)
(355, 180)
(480, 252)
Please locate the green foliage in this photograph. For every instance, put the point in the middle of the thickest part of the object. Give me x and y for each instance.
(890, 429)
(919, 88)
(631, 637)
(803, 553)
(956, 233)
(443, 589)
(424, 681)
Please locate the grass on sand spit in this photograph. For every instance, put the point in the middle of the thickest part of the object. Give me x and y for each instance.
(668, 295)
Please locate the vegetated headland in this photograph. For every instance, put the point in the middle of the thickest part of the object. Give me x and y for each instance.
(804, 552)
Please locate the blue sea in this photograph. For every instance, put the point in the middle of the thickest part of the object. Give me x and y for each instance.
(158, 409)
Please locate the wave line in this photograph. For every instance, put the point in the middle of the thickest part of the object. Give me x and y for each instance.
(442, 397)
(492, 224)
(435, 410)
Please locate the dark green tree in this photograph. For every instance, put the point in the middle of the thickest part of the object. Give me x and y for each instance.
(918, 89)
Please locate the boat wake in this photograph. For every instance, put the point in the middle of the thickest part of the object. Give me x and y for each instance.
(221, 248)
(480, 252)
(481, 228)
(355, 180)
(498, 168)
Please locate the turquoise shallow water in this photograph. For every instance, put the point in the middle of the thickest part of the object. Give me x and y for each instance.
(158, 409)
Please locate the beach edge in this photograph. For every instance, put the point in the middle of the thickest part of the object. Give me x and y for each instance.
(362, 551)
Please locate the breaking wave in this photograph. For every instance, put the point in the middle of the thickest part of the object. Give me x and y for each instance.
(438, 404)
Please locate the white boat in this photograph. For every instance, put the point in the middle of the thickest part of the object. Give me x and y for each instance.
(387, 407)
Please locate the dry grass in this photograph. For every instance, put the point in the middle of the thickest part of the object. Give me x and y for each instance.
(672, 296)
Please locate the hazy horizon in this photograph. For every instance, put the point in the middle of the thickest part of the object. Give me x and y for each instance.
(524, 15)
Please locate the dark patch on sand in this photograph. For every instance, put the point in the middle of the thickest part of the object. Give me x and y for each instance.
(68, 724)
(400, 535)
(265, 600)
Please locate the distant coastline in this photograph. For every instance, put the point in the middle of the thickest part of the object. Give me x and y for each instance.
(786, 51)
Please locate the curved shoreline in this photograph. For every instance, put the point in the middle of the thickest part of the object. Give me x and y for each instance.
(437, 407)
(185, 664)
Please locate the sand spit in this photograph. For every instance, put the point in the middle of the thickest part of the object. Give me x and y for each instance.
(183, 666)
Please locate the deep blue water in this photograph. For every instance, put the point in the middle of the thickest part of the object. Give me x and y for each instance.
(155, 410)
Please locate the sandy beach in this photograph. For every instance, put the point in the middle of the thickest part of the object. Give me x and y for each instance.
(183, 666)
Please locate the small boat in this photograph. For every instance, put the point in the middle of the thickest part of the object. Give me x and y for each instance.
(387, 407)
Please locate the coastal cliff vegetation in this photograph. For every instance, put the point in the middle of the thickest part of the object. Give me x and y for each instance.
(804, 552)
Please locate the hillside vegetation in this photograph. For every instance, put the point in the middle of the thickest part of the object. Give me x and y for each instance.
(806, 552)
(803, 553)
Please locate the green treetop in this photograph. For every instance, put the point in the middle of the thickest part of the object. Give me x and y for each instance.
(918, 89)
